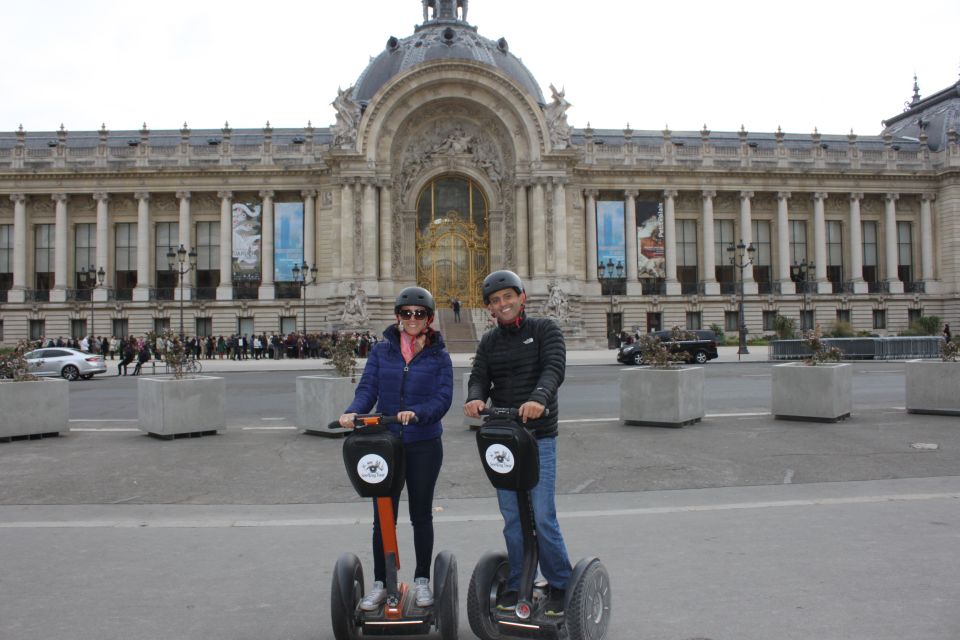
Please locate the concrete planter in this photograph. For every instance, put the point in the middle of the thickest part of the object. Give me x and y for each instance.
(661, 397)
(821, 393)
(933, 387)
(35, 408)
(320, 401)
(167, 407)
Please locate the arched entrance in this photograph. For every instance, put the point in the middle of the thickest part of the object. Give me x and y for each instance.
(453, 240)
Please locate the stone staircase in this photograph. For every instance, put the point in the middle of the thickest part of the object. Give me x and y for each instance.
(459, 336)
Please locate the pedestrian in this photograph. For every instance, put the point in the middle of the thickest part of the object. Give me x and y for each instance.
(126, 357)
(456, 310)
(946, 333)
(520, 364)
(143, 357)
(115, 347)
(409, 375)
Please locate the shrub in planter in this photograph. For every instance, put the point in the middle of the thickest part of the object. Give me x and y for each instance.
(31, 406)
(818, 389)
(665, 394)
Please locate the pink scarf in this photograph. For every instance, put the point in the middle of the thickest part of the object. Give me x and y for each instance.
(410, 345)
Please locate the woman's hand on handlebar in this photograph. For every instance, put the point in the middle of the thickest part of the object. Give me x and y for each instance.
(473, 408)
(530, 410)
(406, 417)
(346, 420)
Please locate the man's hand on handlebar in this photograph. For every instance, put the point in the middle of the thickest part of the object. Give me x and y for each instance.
(530, 410)
(346, 420)
(406, 417)
(473, 408)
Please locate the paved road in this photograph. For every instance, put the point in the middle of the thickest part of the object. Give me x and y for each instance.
(738, 528)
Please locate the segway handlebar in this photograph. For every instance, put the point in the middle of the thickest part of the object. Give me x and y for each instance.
(505, 412)
(371, 420)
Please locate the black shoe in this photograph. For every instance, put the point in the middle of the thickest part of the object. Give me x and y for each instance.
(507, 601)
(554, 606)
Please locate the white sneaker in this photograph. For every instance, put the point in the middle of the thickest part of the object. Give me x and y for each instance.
(374, 598)
(421, 590)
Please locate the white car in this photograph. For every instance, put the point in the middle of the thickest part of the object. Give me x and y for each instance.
(71, 364)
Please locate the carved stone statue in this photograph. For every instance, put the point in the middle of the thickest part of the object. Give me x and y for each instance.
(556, 115)
(457, 141)
(556, 305)
(355, 308)
(348, 119)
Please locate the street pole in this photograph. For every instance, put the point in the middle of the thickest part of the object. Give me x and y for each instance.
(607, 274)
(95, 277)
(300, 276)
(182, 267)
(741, 257)
(803, 269)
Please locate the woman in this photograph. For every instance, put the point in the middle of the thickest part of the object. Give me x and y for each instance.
(408, 375)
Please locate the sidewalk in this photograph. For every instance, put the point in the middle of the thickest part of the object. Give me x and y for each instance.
(574, 358)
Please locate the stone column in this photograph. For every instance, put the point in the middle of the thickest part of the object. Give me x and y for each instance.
(591, 227)
(630, 239)
(183, 238)
(523, 232)
(142, 291)
(370, 235)
(708, 270)
(787, 285)
(225, 289)
(309, 227)
(61, 278)
(926, 239)
(386, 231)
(890, 235)
(670, 236)
(17, 293)
(103, 245)
(538, 220)
(856, 245)
(746, 235)
(267, 290)
(820, 243)
(347, 271)
(560, 227)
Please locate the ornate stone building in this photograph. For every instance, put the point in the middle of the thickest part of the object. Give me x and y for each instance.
(446, 161)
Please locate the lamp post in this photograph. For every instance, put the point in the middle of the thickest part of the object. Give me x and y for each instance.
(95, 277)
(608, 274)
(803, 269)
(741, 257)
(177, 261)
(300, 276)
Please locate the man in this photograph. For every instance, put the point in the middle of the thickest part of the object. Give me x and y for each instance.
(521, 365)
(456, 310)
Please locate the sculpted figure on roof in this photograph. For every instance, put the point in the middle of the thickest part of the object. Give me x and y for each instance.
(556, 115)
(348, 119)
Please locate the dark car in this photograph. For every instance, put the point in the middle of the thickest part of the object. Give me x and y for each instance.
(699, 350)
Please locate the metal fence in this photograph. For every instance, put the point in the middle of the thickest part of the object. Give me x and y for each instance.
(893, 348)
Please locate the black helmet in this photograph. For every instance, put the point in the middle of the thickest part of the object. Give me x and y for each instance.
(417, 296)
(501, 280)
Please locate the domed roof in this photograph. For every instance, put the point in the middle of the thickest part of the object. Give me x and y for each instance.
(442, 36)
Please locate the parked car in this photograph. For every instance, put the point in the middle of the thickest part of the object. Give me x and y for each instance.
(71, 364)
(700, 350)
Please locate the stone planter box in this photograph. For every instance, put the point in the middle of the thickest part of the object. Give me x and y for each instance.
(33, 409)
(320, 401)
(933, 387)
(661, 397)
(169, 408)
(821, 393)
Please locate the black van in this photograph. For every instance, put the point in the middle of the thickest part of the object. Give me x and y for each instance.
(700, 351)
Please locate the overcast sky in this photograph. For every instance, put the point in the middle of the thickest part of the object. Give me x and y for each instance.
(834, 65)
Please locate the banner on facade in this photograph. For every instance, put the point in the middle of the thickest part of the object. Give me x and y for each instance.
(247, 238)
(288, 240)
(651, 256)
(610, 240)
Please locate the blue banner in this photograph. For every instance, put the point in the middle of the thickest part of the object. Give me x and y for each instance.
(610, 240)
(288, 240)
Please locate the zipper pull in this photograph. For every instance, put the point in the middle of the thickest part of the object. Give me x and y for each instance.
(406, 368)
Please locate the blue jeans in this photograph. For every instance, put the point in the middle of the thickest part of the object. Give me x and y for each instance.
(554, 563)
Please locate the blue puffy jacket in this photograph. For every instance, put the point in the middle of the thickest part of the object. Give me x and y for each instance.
(425, 386)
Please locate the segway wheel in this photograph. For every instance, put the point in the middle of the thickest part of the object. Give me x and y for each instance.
(489, 577)
(447, 595)
(588, 604)
(345, 593)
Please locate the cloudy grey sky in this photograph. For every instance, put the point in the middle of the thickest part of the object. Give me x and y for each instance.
(834, 65)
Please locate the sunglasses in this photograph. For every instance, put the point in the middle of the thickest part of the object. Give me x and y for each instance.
(406, 314)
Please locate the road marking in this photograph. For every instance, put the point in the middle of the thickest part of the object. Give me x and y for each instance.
(788, 477)
(737, 415)
(272, 419)
(230, 523)
(584, 485)
(267, 428)
(757, 375)
(106, 420)
(880, 373)
(103, 430)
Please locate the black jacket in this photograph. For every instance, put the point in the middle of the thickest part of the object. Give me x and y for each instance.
(516, 364)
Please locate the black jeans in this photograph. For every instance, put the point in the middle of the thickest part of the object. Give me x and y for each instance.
(423, 467)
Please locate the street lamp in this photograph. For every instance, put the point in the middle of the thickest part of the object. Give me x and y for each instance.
(608, 274)
(803, 270)
(741, 257)
(300, 277)
(178, 259)
(95, 277)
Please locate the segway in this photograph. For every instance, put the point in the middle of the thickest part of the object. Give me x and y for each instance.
(512, 461)
(375, 465)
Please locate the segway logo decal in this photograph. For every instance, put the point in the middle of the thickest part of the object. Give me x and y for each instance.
(372, 469)
(499, 458)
